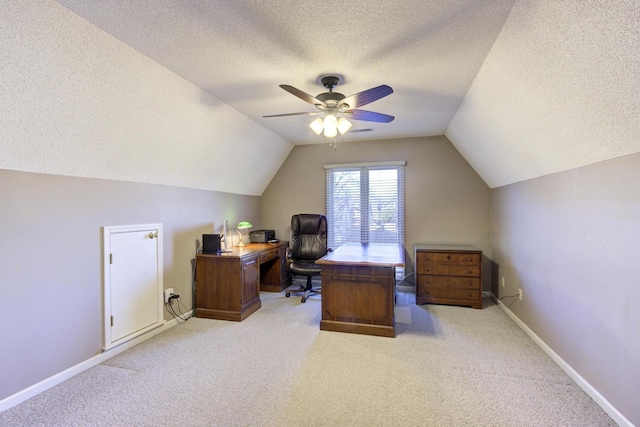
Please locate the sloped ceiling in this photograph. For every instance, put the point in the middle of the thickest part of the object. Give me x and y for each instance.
(522, 88)
(559, 89)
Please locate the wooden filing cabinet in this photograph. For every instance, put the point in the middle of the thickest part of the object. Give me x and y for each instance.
(448, 274)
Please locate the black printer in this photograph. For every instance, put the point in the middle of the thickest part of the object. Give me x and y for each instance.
(262, 236)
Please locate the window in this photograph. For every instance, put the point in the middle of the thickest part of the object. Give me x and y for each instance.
(365, 203)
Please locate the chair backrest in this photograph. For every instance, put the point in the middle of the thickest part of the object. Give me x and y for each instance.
(308, 236)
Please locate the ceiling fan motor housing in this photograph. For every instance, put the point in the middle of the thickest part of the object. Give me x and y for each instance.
(331, 98)
(330, 82)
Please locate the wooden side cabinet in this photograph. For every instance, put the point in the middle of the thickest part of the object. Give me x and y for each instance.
(448, 274)
(227, 288)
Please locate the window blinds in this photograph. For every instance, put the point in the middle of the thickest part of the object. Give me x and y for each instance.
(365, 203)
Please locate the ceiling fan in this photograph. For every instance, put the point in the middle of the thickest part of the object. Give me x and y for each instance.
(335, 108)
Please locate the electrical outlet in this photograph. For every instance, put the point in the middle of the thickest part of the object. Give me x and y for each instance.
(520, 295)
(167, 294)
(502, 281)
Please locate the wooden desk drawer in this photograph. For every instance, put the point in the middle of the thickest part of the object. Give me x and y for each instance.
(448, 269)
(268, 255)
(448, 258)
(449, 293)
(448, 282)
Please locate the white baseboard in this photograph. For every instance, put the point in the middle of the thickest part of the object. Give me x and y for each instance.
(576, 377)
(29, 392)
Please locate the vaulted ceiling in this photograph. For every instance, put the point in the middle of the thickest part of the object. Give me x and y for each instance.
(522, 88)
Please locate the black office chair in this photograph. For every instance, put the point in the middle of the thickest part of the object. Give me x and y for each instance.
(308, 244)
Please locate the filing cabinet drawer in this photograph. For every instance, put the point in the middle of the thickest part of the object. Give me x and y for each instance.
(449, 293)
(449, 269)
(448, 282)
(448, 258)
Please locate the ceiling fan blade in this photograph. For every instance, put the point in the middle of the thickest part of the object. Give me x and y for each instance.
(369, 116)
(302, 95)
(365, 97)
(311, 113)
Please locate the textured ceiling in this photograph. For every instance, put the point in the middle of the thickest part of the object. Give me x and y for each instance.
(560, 89)
(429, 52)
(522, 88)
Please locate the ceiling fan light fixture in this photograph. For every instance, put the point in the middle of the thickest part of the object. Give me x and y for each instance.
(317, 126)
(343, 125)
(330, 126)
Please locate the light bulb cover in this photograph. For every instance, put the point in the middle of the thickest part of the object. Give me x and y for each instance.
(317, 126)
(330, 126)
(343, 125)
(244, 224)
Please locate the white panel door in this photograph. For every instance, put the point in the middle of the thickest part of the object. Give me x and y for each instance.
(133, 288)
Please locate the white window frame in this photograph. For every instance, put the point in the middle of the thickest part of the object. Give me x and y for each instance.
(364, 220)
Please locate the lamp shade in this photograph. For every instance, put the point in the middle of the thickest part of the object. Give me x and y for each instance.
(343, 125)
(330, 126)
(317, 126)
(244, 224)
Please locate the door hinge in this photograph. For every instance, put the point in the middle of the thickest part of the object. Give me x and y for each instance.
(110, 258)
(111, 320)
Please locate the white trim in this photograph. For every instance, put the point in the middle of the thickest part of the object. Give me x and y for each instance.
(602, 401)
(366, 165)
(54, 380)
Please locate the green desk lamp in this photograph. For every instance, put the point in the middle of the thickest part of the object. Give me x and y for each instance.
(243, 225)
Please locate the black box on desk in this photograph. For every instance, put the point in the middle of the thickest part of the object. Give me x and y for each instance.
(262, 236)
(210, 244)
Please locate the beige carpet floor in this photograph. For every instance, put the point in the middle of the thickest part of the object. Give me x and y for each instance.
(447, 366)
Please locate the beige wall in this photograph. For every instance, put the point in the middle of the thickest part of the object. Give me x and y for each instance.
(51, 260)
(571, 241)
(445, 200)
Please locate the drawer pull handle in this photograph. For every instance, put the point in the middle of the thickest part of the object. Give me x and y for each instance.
(468, 294)
(469, 259)
(448, 256)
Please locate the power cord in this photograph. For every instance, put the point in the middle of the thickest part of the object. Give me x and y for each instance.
(181, 316)
(403, 279)
(193, 269)
(510, 296)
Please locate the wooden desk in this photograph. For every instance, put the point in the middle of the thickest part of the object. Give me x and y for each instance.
(228, 285)
(358, 288)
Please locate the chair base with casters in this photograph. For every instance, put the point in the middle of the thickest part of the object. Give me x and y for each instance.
(306, 291)
(308, 269)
